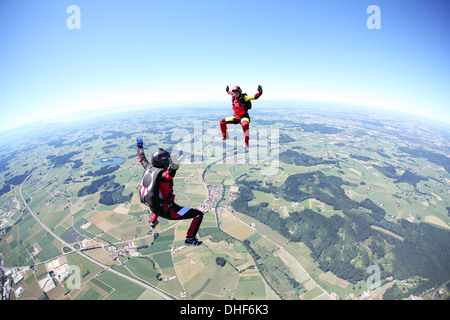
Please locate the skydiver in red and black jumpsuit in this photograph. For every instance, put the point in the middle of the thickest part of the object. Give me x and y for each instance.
(240, 112)
(156, 191)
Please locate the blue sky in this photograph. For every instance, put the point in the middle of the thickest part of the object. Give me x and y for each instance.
(145, 52)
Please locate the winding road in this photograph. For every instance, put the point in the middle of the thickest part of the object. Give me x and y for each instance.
(78, 251)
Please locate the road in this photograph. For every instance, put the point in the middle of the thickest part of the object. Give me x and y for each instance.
(142, 284)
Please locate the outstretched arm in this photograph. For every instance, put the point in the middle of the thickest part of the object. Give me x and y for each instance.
(256, 96)
(140, 152)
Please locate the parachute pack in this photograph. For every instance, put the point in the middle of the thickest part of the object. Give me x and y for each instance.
(247, 104)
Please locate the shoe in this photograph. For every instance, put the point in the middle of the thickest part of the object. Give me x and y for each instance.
(192, 241)
(154, 224)
(246, 144)
(225, 137)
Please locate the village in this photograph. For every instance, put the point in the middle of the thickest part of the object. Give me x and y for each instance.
(57, 270)
(129, 248)
(215, 194)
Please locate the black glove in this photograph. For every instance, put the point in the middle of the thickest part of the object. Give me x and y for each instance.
(227, 89)
(260, 90)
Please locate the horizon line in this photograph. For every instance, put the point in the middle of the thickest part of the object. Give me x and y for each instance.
(102, 111)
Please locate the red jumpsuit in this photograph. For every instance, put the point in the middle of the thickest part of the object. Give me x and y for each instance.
(240, 115)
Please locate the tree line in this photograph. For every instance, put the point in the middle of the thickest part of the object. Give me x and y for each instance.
(424, 250)
(112, 193)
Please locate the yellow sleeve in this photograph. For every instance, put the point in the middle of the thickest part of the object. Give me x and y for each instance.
(248, 98)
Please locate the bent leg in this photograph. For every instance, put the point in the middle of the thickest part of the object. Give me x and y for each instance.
(246, 128)
(178, 213)
(223, 128)
(195, 224)
(223, 125)
(154, 217)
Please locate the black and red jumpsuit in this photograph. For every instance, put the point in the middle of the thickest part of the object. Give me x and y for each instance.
(156, 191)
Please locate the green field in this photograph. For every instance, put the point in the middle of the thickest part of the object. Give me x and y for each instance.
(339, 201)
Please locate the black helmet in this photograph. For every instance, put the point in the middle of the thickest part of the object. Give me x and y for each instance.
(160, 158)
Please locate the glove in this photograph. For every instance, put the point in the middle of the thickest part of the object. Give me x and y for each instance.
(139, 142)
(260, 90)
(174, 161)
(227, 89)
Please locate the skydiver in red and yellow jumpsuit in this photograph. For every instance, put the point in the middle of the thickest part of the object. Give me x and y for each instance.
(241, 104)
